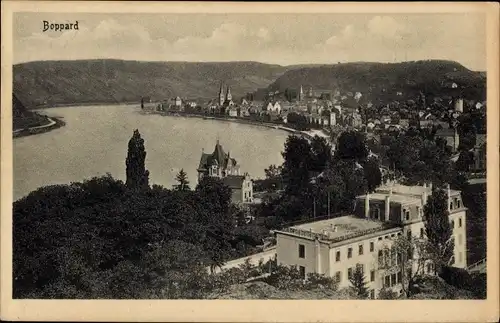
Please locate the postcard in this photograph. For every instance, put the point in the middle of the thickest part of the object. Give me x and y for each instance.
(232, 161)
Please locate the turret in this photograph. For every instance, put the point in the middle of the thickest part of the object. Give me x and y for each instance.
(229, 97)
(221, 94)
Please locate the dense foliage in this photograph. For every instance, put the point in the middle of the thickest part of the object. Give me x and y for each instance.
(99, 239)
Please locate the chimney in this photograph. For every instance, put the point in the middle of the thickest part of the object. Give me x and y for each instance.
(367, 205)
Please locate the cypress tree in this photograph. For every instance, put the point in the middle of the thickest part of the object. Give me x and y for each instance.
(358, 282)
(137, 175)
(437, 228)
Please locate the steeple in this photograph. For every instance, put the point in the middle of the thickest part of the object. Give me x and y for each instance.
(221, 94)
(229, 97)
(301, 94)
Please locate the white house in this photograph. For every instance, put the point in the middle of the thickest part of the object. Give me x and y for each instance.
(335, 246)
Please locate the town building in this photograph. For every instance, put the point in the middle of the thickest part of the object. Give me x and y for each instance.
(451, 137)
(479, 151)
(221, 165)
(335, 246)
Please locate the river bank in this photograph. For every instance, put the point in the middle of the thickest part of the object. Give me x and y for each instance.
(54, 123)
(308, 134)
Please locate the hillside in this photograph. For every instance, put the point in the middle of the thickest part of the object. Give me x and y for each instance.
(22, 117)
(46, 83)
(99, 81)
(381, 80)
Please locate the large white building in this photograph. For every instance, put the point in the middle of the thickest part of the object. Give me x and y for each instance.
(335, 246)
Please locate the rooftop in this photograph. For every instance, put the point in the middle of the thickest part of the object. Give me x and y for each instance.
(338, 229)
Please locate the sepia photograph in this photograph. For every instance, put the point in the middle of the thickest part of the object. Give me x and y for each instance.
(239, 155)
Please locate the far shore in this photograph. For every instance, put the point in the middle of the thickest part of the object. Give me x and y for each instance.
(54, 123)
(60, 123)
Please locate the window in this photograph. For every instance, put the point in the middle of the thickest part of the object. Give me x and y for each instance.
(360, 249)
(362, 267)
(399, 277)
(302, 272)
(419, 211)
(399, 234)
(452, 224)
(386, 237)
(302, 251)
(393, 279)
(459, 204)
(421, 233)
(349, 273)
(338, 276)
(349, 252)
(387, 281)
(372, 275)
(392, 235)
(380, 258)
(451, 205)
(372, 246)
(408, 234)
(387, 257)
(459, 222)
(379, 238)
(372, 294)
(337, 256)
(407, 214)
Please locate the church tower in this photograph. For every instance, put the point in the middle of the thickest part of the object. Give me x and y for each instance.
(301, 94)
(229, 97)
(221, 94)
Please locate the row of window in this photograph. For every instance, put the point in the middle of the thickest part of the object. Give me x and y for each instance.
(455, 204)
(302, 249)
(452, 223)
(393, 279)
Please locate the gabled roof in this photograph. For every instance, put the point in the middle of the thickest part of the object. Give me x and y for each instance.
(218, 157)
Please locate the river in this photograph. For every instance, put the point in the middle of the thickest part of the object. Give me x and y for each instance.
(95, 138)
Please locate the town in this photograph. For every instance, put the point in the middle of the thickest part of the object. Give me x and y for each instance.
(355, 209)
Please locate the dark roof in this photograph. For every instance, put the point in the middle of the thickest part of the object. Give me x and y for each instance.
(218, 157)
(234, 181)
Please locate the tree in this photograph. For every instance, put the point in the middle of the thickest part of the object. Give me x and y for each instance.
(137, 175)
(437, 228)
(358, 282)
(406, 258)
(352, 145)
(297, 164)
(372, 173)
(182, 179)
(321, 154)
(213, 205)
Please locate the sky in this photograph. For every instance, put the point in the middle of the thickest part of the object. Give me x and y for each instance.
(283, 39)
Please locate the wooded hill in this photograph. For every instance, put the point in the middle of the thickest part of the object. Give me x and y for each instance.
(45, 83)
(113, 81)
(383, 80)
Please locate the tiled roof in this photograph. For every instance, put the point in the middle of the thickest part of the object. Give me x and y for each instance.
(218, 157)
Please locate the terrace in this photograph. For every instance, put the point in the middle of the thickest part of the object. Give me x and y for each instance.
(337, 229)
